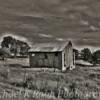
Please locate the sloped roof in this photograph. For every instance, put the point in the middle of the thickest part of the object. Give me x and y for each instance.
(48, 47)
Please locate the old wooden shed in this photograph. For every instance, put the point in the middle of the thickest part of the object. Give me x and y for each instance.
(52, 55)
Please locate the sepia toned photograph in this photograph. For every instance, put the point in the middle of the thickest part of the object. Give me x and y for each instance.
(49, 49)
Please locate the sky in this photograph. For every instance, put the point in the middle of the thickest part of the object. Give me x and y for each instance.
(52, 20)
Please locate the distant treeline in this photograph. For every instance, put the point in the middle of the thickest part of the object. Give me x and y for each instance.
(86, 55)
(15, 47)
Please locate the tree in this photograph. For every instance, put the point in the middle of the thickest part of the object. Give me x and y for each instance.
(86, 54)
(96, 57)
(23, 47)
(7, 41)
(15, 46)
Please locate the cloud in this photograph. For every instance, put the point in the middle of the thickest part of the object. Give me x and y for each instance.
(84, 22)
(60, 39)
(93, 28)
(45, 35)
(52, 1)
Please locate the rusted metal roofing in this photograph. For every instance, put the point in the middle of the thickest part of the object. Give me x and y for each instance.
(48, 47)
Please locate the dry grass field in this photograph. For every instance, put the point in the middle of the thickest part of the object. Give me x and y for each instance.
(14, 76)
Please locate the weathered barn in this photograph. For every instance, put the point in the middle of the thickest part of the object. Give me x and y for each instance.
(52, 55)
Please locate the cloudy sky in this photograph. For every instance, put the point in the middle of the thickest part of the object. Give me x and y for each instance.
(52, 20)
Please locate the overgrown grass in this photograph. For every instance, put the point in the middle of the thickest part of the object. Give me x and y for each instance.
(83, 79)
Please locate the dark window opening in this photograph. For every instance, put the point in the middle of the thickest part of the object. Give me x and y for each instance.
(56, 54)
(73, 58)
(64, 60)
(46, 57)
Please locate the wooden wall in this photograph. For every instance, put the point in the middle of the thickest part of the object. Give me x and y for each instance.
(51, 60)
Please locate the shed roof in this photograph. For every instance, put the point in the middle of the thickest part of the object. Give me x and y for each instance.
(49, 47)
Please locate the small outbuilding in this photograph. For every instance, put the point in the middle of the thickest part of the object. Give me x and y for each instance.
(52, 55)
